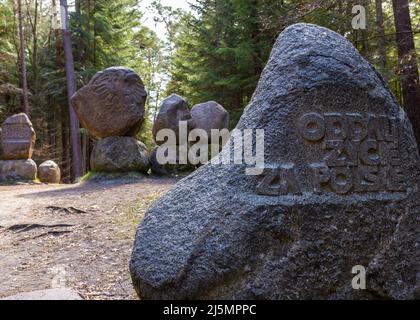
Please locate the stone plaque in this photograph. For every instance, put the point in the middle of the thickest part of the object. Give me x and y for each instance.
(18, 137)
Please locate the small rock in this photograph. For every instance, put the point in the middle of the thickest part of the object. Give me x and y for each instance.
(49, 172)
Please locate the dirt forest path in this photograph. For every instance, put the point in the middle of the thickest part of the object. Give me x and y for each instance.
(76, 236)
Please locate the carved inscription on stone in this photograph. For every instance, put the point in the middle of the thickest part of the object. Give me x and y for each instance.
(116, 85)
(278, 180)
(18, 137)
(359, 153)
(112, 103)
(16, 133)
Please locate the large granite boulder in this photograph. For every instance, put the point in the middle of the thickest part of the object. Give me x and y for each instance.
(340, 189)
(173, 110)
(119, 154)
(210, 115)
(49, 172)
(18, 170)
(17, 137)
(112, 103)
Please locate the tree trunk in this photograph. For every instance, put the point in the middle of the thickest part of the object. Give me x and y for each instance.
(35, 47)
(407, 63)
(74, 122)
(65, 152)
(364, 41)
(381, 36)
(80, 46)
(22, 63)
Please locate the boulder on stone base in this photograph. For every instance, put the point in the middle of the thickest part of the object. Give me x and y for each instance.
(49, 172)
(119, 154)
(17, 170)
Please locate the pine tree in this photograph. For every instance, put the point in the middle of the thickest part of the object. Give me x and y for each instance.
(408, 62)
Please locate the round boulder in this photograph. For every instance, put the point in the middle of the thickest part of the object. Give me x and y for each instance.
(173, 110)
(49, 172)
(112, 103)
(210, 115)
(119, 154)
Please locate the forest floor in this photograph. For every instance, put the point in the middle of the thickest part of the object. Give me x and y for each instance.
(76, 236)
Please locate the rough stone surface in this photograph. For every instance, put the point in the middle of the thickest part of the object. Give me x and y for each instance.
(223, 234)
(48, 294)
(15, 170)
(49, 172)
(18, 137)
(168, 169)
(1, 147)
(210, 115)
(119, 154)
(173, 110)
(112, 103)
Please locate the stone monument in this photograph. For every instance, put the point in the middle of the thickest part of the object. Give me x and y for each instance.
(18, 137)
(17, 141)
(111, 107)
(338, 196)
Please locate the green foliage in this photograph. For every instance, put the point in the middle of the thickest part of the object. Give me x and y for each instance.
(222, 48)
(9, 92)
(217, 52)
(104, 33)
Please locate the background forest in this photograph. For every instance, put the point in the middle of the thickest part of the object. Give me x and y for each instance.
(214, 51)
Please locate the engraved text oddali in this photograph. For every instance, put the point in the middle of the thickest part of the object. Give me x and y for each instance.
(360, 154)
